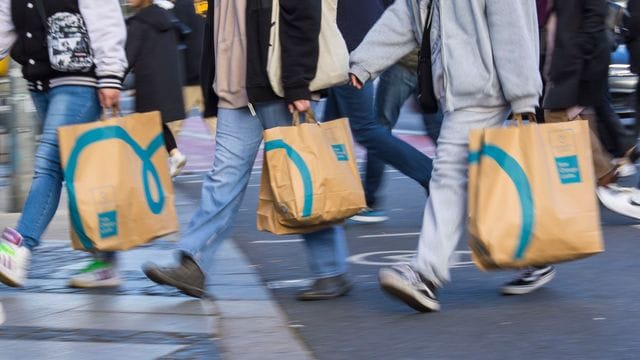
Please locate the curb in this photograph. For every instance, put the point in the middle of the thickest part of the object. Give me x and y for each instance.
(252, 324)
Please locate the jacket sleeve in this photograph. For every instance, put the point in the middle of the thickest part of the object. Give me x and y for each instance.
(299, 33)
(207, 67)
(390, 39)
(513, 29)
(7, 31)
(133, 44)
(108, 35)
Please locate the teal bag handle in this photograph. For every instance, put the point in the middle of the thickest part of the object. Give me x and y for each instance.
(109, 133)
(305, 174)
(523, 187)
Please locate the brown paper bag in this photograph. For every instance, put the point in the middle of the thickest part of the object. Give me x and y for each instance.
(118, 183)
(310, 179)
(532, 195)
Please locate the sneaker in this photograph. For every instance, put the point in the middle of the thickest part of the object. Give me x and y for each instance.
(97, 274)
(326, 288)
(622, 200)
(404, 283)
(177, 161)
(530, 280)
(370, 216)
(14, 258)
(186, 277)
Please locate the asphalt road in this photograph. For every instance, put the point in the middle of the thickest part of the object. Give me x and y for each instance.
(590, 311)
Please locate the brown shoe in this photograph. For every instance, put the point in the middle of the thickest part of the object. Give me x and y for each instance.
(186, 277)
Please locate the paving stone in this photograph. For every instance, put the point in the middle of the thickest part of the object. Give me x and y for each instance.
(248, 309)
(150, 305)
(53, 350)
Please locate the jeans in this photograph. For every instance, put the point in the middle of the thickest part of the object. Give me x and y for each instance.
(395, 86)
(357, 105)
(238, 139)
(445, 213)
(64, 105)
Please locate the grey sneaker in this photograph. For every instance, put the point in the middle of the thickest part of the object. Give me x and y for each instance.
(186, 277)
(406, 284)
(326, 288)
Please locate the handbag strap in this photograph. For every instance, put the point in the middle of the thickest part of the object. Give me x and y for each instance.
(43, 15)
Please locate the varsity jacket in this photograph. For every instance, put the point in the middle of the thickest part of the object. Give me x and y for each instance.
(23, 35)
(299, 32)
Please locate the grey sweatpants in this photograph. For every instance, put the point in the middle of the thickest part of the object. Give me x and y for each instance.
(445, 214)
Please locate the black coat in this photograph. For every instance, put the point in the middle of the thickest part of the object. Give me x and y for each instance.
(299, 31)
(356, 17)
(580, 61)
(632, 23)
(152, 52)
(186, 13)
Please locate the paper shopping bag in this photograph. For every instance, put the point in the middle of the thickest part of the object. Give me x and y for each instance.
(310, 179)
(117, 179)
(532, 195)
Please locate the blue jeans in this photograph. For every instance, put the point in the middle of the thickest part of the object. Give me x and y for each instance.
(64, 105)
(395, 86)
(357, 105)
(238, 139)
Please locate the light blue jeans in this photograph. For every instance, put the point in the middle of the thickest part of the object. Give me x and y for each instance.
(238, 139)
(64, 105)
(445, 215)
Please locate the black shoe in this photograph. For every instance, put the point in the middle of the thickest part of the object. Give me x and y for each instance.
(530, 280)
(187, 277)
(326, 288)
(406, 284)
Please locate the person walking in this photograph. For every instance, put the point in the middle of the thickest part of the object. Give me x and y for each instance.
(577, 76)
(358, 106)
(185, 12)
(152, 51)
(478, 81)
(395, 85)
(237, 34)
(67, 87)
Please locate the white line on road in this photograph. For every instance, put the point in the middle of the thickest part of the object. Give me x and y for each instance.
(287, 241)
(388, 235)
(289, 283)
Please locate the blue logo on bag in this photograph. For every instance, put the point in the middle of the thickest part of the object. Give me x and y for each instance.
(568, 169)
(148, 169)
(108, 222)
(341, 152)
(521, 182)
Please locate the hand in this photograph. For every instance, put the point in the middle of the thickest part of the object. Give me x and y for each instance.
(300, 106)
(355, 82)
(109, 98)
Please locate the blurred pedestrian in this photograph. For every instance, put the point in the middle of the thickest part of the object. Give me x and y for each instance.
(152, 51)
(67, 87)
(185, 12)
(358, 106)
(577, 71)
(239, 89)
(395, 85)
(477, 81)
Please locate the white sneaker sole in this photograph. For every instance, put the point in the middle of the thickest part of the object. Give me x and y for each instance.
(86, 284)
(369, 219)
(619, 200)
(523, 290)
(395, 286)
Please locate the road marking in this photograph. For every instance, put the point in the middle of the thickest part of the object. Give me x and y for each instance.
(284, 284)
(387, 235)
(399, 177)
(461, 258)
(287, 241)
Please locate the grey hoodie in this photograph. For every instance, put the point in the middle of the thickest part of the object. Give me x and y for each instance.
(489, 56)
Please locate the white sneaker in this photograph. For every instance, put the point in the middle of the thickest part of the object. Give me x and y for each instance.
(14, 258)
(176, 163)
(97, 274)
(622, 200)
